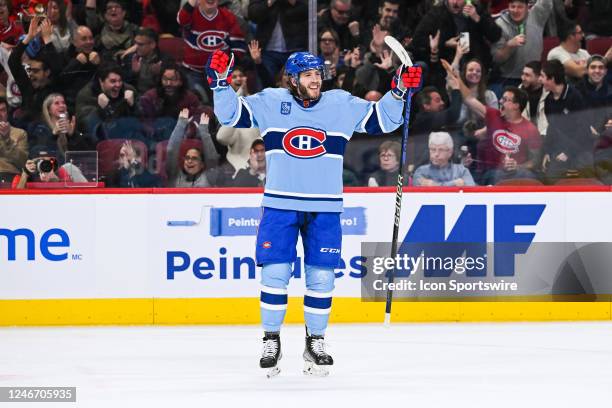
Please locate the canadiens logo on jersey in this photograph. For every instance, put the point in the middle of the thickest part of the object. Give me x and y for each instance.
(212, 40)
(304, 142)
(506, 142)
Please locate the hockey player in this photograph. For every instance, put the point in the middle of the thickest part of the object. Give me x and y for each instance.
(305, 133)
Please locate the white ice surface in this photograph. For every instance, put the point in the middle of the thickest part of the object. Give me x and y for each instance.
(416, 365)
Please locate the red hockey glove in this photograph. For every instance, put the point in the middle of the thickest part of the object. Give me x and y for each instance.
(219, 70)
(404, 80)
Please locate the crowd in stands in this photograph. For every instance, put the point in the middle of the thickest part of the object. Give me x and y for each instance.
(515, 91)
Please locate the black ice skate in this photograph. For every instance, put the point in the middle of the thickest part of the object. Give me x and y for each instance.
(316, 360)
(271, 354)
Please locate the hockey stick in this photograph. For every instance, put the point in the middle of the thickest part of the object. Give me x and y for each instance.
(402, 54)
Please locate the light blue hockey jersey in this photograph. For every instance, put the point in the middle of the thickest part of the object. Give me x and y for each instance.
(305, 146)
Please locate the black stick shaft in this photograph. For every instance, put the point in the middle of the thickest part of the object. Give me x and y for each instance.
(398, 203)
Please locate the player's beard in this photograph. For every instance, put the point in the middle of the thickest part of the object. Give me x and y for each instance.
(306, 93)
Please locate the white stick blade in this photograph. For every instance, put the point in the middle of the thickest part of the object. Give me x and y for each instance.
(399, 50)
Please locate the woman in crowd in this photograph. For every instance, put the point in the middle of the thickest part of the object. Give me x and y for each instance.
(63, 25)
(57, 130)
(388, 156)
(195, 161)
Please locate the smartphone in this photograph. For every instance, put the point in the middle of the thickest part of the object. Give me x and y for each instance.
(464, 40)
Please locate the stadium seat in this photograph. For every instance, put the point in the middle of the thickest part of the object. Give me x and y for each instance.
(161, 150)
(599, 45)
(172, 46)
(579, 182)
(520, 182)
(549, 44)
(108, 154)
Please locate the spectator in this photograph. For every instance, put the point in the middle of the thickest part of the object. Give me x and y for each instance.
(595, 90)
(387, 24)
(160, 106)
(57, 131)
(255, 174)
(63, 25)
(132, 171)
(470, 126)
(512, 144)
(36, 83)
(433, 116)
(105, 106)
(264, 79)
(192, 173)
(208, 28)
(338, 17)
(531, 84)
(44, 167)
(375, 74)
(10, 31)
(239, 81)
(328, 46)
(282, 28)
(12, 92)
(115, 35)
(330, 54)
(569, 53)
(597, 95)
(568, 146)
(81, 65)
(521, 41)
(473, 75)
(13, 146)
(452, 18)
(142, 66)
(251, 175)
(440, 171)
(388, 158)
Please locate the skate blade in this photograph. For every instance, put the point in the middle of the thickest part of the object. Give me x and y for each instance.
(314, 370)
(273, 372)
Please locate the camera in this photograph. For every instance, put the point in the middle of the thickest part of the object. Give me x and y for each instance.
(46, 165)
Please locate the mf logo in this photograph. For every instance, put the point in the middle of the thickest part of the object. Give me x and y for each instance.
(212, 40)
(304, 143)
(53, 244)
(469, 235)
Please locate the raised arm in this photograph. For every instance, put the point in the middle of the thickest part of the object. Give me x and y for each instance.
(211, 156)
(474, 104)
(229, 108)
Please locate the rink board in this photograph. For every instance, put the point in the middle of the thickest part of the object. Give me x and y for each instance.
(90, 258)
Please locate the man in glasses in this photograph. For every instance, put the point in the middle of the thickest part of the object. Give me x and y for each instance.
(339, 17)
(569, 53)
(34, 79)
(142, 67)
(114, 34)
